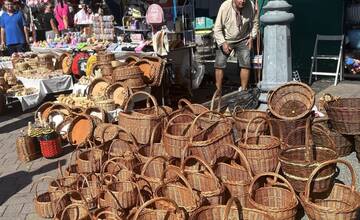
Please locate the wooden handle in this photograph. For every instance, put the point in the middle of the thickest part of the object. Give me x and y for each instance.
(144, 93)
(232, 200)
(146, 204)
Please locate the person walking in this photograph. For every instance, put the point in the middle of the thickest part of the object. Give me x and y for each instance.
(14, 33)
(48, 22)
(235, 28)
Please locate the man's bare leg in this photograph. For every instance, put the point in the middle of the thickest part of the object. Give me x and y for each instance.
(219, 74)
(244, 78)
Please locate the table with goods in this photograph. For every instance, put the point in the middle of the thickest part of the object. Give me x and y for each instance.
(198, 163)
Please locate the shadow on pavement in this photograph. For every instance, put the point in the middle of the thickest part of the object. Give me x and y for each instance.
(15, 182)
(16, 124)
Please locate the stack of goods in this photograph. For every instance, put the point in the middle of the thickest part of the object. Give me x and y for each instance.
(185, 164)
(104, 28)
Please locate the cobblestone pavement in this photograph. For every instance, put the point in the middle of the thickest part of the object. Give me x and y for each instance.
(16, 178)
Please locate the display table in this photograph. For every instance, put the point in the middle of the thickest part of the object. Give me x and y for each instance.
(6, 65)
(44, 86)
(55, 51)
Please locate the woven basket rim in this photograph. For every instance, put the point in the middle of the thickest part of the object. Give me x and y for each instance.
(283, 158)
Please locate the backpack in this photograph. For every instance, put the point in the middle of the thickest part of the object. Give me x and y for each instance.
(155, 15)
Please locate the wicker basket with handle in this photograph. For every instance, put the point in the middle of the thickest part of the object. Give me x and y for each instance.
(176, 134)
(74, 211)
(242, 118)
(126, 192)
(89, 186)
(115, 169)
(298, 161)
(144, 213)
(261, 150)
(187, 107)
(236, 177)
(206, 182)
(344, 115)
(89, 160)
(277, 199)
(291, 101)
(210, 143)
(152, 171)
(343, 202)
(183, 195)
(232, 210)
(141, 122)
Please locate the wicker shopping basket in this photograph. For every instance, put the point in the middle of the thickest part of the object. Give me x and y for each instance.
(275, 198)
(242, 118)
(343, 202)
(344, 115)
(261, 150)
(298, 161)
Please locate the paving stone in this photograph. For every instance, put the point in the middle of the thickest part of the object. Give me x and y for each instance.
(28, 208)
(2, 209)
(33, 216)
(13, 210)
(20, 199)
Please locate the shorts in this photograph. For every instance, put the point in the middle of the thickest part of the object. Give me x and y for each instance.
(242, 52)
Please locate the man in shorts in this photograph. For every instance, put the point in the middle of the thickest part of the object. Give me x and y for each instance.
(235, 28)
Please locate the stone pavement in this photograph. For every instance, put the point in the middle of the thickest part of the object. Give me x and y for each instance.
(16, 178)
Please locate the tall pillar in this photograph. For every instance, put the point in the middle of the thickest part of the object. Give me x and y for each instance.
(277, 68)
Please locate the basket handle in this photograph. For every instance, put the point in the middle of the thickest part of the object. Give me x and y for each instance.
(243, 159)
(85, 180)
(146, 204)
(183, 163)
(217, 93)
(187, 103)
(152, 138)
(237, 109)
(175, 117)
(36, 183)
(151, 160)
(111, 215)
(197, 118)
(112, 160)
(144, 93)
(113, 197)
(265, 120)
(68, 193)
(321, 166)
(308, 142)
(74, 205)
(132, 139)
(182, 177)
(275, 175)
(232, 200)
(269, 94)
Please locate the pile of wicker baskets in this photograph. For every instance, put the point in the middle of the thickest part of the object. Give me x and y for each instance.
(159, 163)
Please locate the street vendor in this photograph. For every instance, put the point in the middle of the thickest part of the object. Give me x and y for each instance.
(14, 33)
(235, 28)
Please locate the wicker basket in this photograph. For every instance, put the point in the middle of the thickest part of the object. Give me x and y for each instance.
(105, 57)
(90, 189)
(62, 108)
(291, 101)
(126, 192)
(98, 87)
(152, 171)
(118, 93)
(281, 128)
(109, 171)
(105, 132)
(81, 129)
(74, 211)
(209, 144)
(66, 61)
(130, 76)
(206, 182)
(107, 105)
(176, 135)
(90, 160)
(343, 202)
(277, 200)
(261, 150)
(357, 146)
(298, 161)
(45, 202)
(131, 60)
(183, 196)
(344, 144)
(144, 213)
(43, 111)
(242, 118)
(236, 177)
(188, 107)
(141, 122)
(27, 148)
(344, 115)
(229, 211)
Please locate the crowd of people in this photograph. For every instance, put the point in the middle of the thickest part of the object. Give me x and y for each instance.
(50, 20)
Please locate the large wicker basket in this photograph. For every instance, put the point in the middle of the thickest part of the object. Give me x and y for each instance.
(291, 101)
(298, 161)
(344, 115)
(242, 118)
(343, 202)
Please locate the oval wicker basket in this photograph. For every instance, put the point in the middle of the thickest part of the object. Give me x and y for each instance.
(105, 57)
(130, 76)
(98, 87)
(344, 115)
(81, 129)
(118, 93)
(291, 101)
(343, 202)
